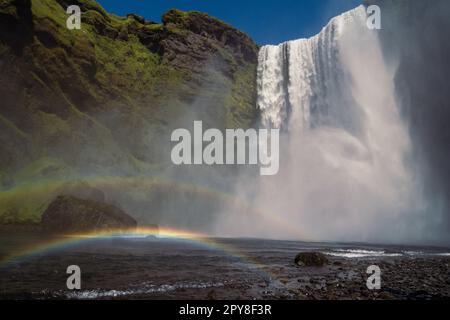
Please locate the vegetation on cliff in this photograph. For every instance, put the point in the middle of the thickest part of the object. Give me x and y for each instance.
(103, 100)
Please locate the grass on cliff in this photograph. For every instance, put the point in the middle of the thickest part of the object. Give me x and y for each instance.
(125, 71)
(124, 67)
(25, 204)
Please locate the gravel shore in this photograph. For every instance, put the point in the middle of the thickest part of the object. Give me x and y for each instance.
(252, 269)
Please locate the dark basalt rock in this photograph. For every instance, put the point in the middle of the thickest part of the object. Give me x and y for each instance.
(68, 214)
(311, 259)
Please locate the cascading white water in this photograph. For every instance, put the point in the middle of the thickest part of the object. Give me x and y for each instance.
(342, 161)
(307, 83)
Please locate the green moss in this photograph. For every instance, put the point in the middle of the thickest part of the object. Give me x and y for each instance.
(25, 204)
(73, 82)
(52, 125)
(43, 168)
(49, 17)
(125, 66)
(5, 122)
(44, 9)
(241, 101)
(4, 179)
(175, 16)
(154, 27)
(184, 18)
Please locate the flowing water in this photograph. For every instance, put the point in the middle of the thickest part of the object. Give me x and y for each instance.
(344, 171)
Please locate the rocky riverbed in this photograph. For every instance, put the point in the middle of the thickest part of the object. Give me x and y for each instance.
(163, 268)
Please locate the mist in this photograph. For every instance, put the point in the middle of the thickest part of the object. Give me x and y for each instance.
(420, 49)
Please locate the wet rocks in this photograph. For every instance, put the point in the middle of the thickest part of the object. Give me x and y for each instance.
(68, 214)
(311, 259)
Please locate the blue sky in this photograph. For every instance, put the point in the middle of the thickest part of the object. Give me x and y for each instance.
(266, 21)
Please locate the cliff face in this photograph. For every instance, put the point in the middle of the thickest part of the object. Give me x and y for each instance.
(106, 97)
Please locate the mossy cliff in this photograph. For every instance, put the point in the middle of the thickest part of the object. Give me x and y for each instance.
(108, 95)
(103, 100)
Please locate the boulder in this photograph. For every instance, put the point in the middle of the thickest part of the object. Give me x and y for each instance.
(68, 214)
(311, 259)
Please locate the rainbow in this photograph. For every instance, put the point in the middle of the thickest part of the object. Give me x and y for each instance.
(46, 190)
(62, 242)
(65, 242)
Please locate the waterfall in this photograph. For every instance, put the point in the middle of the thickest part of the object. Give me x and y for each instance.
(343, 169)
(304, 83)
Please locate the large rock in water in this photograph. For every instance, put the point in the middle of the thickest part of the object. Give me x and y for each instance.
(311, 259)
(68, 214)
